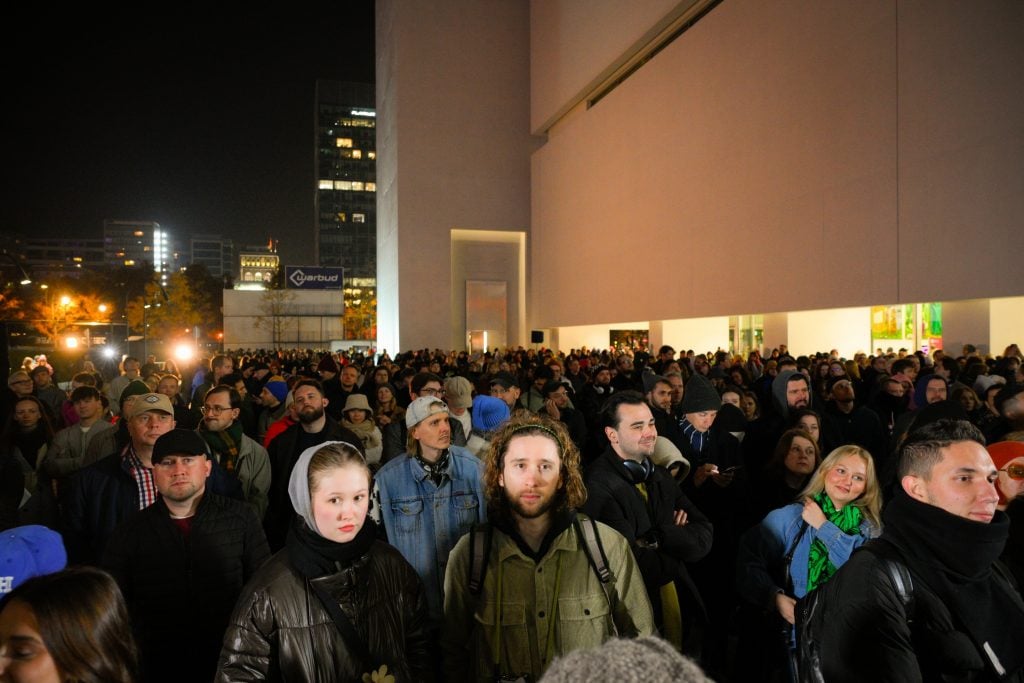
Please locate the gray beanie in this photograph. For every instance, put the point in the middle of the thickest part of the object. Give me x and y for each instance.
(648, 659)
(298, 483)
(700, 395)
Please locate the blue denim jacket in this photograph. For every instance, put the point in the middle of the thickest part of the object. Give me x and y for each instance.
(424, 521)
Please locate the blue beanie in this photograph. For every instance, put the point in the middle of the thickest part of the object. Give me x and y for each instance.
(489, 413)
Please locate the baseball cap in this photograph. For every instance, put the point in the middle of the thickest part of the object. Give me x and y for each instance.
(422, 408)
(28, 551)
(146, 402)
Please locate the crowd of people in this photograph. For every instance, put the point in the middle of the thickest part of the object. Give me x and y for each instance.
(307, 515)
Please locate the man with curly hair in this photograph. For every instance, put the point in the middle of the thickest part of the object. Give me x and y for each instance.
(530, 592)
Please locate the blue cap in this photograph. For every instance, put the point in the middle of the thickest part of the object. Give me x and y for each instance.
(28, 551)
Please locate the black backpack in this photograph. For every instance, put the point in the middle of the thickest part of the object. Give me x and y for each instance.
(809, 612)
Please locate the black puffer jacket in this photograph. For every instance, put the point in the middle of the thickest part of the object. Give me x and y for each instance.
(281, 632)
(173, 586)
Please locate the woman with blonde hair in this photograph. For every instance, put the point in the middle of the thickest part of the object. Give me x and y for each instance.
(800, 546)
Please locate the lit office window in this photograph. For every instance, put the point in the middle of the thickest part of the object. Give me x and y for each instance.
(359, 218)
(357, 185)
(326, 185)
(371, 155)
(371, 187)
(345, 185)
(357, 154)
(343, 142)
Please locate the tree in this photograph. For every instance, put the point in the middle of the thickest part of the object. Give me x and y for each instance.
(274, 306)
(164, 312)
(54, 314)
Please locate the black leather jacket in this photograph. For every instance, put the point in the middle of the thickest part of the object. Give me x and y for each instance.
(281, 632)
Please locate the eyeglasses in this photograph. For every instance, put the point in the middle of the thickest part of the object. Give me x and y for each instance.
(431, 392)
(1014, 471)
(213, 410)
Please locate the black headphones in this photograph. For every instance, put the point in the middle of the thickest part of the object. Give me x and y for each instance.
(639, 472)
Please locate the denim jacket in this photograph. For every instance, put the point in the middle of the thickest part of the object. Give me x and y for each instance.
(763, 548)
(424, 521)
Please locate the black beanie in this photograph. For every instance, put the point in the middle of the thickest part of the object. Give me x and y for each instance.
(700, 395)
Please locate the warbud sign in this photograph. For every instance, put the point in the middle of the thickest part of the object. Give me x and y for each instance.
(313, 277)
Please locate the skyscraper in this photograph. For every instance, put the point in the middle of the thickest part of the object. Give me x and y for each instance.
(346, 196)
(345, 159)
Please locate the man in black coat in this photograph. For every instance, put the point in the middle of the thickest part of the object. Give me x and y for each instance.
(182, 562)
(98, 497)
(313, 428)
(964, 618)
(642, 501)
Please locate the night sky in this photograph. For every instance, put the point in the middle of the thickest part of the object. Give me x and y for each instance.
(204, 126)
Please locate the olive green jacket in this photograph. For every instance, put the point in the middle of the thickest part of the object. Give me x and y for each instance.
(582, 618)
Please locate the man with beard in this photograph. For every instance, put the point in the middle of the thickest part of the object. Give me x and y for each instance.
(855, 424)
(181, 563)
(312, 429)
(791, 391)
(239, 455)
(529, 592)
(429, 496)
(642, 501)
(658, 391)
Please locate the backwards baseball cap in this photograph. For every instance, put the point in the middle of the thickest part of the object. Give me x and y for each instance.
(145, 402)
(178, 442)
(422, 408)
(28, 551)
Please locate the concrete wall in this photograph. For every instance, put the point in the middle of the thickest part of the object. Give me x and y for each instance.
(453, 149)
(312, 319)
(820, 151)
(699, 334)
(845, 329)
(574, 44)
(966, 322)
(1006, 321)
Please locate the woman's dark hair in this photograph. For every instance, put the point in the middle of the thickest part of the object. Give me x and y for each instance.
(777, 465)
(83, 622)
(11, 428)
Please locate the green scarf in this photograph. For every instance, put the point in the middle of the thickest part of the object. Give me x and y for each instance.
(224, 444)
(819, 568)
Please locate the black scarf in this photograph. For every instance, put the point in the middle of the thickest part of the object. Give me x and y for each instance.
(435, 470)
(314, 556)
(560, 521)
(953, 555)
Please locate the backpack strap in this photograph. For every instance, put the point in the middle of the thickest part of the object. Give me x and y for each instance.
(619, 618)
(479, 553)
(586, 527)
(892, 561)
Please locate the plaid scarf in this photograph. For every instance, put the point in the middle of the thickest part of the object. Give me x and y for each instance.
(819, 568)
(224, 444)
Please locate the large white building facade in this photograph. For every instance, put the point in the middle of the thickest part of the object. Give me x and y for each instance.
(581, 166)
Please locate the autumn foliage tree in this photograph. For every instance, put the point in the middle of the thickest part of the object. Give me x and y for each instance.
(185, 302)
(53, 315)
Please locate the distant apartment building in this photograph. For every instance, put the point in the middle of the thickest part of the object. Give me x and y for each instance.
(132, 243)
(59, 256)
(214, 252)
